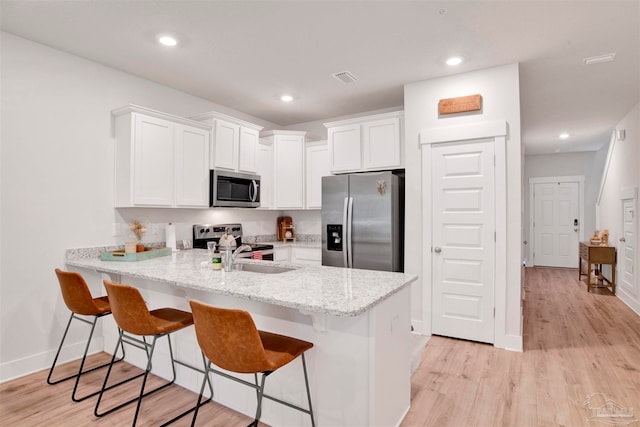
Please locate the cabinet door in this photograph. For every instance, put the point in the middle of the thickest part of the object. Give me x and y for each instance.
(289, 171)
(264, 168)
(247, 150)
(153, 173)
(381, 144)
(307, 256)
(317, 166)
(344, 148)
(282, 254)
(192, 166)
(225, 145)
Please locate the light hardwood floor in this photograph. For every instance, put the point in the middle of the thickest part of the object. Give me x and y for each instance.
(575, 344)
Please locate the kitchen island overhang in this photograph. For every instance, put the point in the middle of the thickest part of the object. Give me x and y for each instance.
(359, 321)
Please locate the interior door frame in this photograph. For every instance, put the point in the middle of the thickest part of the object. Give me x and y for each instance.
(498, 131)
(627, 193)
(532, 211)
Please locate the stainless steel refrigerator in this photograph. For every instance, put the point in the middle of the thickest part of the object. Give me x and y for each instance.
(363, 220)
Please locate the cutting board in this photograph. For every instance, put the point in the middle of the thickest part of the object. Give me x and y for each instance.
(284, 224)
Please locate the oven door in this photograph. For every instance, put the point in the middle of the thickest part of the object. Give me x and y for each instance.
(231, 189)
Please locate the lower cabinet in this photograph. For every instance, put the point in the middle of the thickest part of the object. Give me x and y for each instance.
(297, 255)
(307, 256)
(282, 254)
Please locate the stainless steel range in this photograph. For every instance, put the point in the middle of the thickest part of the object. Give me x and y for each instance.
(203, 233)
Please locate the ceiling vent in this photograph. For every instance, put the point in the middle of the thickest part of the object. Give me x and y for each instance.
(345, 77)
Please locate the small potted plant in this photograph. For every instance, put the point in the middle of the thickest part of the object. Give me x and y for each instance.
(138, 229)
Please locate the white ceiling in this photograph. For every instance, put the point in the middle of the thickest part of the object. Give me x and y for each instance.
(246, 54)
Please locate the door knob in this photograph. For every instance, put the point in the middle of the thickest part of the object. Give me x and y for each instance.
(437, 250)
(622, 239)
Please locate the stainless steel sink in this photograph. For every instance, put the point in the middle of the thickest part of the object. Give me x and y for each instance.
(261, 268)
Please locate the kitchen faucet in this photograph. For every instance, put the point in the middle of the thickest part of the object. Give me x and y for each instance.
(230, 257)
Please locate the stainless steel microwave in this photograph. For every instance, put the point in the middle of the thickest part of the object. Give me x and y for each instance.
(233, 189)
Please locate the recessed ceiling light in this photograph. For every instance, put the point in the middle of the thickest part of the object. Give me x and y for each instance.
(167, 40)
(455, 60)
(286, 98)
(599, 59)
(563, 135)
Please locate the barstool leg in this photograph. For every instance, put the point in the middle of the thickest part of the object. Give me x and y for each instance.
(306, 382)
(146, 375)
(206, 379)
(260, 394)
(106, 381)
(83, 360)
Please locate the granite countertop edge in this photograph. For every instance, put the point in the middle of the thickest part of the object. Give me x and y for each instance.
(316, 289)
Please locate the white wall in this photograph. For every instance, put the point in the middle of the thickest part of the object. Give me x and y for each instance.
(57, 185)
(587, 163)
(622, 173)
(499, 88)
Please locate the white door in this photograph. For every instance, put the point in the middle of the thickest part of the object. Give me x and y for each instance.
(556, 225)
(627, 256)
(463, 227)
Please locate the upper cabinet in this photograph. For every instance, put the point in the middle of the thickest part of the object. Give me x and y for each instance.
(288, 168)
(234, 142)
(366, 143)
(316, 166)
(161, 160)
(264, 166)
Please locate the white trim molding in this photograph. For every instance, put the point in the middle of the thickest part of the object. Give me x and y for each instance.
(479, 131)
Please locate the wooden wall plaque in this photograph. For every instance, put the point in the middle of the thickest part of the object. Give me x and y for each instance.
(460, 105)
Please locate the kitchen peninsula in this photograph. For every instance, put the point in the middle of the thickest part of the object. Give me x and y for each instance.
(358, 320)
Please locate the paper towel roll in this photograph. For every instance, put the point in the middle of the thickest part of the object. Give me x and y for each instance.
(170, 241)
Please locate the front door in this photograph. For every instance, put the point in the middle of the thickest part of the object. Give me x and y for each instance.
(556, 224)
(463, 227)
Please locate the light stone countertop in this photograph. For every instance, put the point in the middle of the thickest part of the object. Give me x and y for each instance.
(316, 289)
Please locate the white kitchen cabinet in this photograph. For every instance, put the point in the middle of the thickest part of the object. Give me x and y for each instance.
(192, 166)
(345, 148)
(366, 143)
(264, 168)
(316, 166)
(288, 168)
(282, 254)
(306, 256)
(160, 159)
(234, 142)
(224, 145)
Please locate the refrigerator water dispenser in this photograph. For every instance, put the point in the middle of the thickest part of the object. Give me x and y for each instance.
(334, 237)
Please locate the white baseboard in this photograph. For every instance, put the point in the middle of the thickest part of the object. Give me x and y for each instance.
(420, 327)
(629, 300)
(37, 362)
(510, 342)
(418, 344)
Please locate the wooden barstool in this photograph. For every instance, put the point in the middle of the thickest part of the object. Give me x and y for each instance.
(231, 341)
(78, 299)
(133, 317)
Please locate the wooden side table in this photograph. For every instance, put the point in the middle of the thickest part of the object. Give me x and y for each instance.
(596, 254)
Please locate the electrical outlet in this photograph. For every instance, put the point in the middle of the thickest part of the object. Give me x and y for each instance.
(153, 228)
(115, 229)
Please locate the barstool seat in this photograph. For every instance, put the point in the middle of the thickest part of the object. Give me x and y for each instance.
(134, 318)
(78, 299)
(230, 340)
